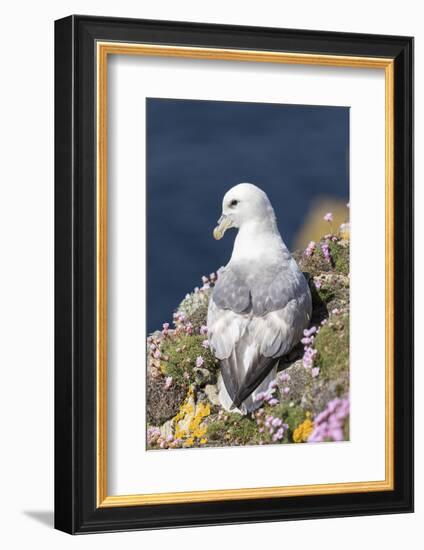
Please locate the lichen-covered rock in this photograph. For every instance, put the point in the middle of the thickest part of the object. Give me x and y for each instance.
(212, 394)
(189, 424)
(194, 308)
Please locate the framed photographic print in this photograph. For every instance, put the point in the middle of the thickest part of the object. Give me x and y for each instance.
(233, 272)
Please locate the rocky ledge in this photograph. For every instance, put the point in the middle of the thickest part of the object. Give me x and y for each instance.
(307, 402)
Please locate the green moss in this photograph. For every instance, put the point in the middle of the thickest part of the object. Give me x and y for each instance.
(332, 344)
(216, 430)
(233, 429)
(313, 265)
(326, 293)
(179, 354)
(291, 415)
(245, 431)
(316, 264)
(340, 257)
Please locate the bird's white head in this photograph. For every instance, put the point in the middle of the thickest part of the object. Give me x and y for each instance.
(244, 204)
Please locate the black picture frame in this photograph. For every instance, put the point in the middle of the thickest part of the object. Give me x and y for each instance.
(76, 509)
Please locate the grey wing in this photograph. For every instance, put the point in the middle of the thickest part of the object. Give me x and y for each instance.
(276, 286)
(231, 291)
(275, 334)
(249, 344)
(225, 331)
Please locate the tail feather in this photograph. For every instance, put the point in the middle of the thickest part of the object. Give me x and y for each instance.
(256, 373)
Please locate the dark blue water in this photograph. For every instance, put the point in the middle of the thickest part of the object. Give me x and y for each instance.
(197, 150)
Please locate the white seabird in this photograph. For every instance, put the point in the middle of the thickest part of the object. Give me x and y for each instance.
(261, 303)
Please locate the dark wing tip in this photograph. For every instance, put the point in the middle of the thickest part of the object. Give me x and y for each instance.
(254, 376)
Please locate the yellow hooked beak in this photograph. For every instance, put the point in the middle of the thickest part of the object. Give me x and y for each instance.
(224, 223)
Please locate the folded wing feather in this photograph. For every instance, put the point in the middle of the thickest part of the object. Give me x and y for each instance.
(263, 310)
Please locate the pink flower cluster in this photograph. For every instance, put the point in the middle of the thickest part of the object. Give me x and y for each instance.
(326, 252)
(309, 352)
(153, 349)
(329, 424)
(155, 439)
(203, 331)
(268, 395)
(272, 425)
(182, 326)
(284, 379)
(310, 249)
(208, 282)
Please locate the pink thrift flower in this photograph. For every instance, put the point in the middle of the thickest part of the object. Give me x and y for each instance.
(259, 396)
(168, 382)
(309, 332)
(199, 361)
(205, 344)
(328, 217)
(326, 252)
(310, 248)
(315, 372)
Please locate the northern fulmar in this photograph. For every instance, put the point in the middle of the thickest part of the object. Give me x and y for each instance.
(260, 304)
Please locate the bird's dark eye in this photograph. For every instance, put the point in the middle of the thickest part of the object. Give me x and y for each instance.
(234, 202)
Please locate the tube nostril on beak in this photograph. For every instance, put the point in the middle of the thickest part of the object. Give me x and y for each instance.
(224, 223)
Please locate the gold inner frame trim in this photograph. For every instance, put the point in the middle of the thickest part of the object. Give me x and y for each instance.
(103, 50)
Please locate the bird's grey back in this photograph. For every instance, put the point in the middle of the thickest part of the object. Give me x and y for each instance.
(258, 288)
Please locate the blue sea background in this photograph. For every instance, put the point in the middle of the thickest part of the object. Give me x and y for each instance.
(197, 150)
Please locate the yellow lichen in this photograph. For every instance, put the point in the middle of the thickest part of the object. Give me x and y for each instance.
(304, 430)
(188, 421)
